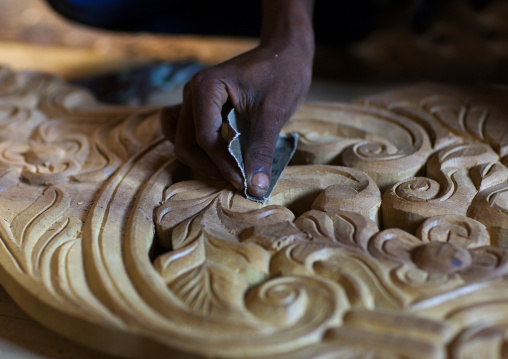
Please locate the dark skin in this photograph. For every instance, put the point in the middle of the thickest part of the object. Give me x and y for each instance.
(267, 85)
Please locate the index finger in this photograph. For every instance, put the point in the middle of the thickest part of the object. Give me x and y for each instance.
(209, 97)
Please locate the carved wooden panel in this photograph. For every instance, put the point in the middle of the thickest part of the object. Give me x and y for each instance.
(385, 237)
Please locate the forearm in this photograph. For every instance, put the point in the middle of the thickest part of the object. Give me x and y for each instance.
(288, 22)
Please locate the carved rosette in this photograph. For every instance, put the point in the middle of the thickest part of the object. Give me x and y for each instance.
(386, 235)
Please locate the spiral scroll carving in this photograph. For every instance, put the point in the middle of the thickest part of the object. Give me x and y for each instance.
(374, 150)
(381, 143)
(450, 190)
(453, 228)
(418, 189)
(286, 301)
(385, 234)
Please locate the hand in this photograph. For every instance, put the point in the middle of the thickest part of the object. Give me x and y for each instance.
(266, 85)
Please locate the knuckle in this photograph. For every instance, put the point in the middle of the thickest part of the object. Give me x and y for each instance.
(197, 79)
(206, 82)
(202, 78)
(202, 82)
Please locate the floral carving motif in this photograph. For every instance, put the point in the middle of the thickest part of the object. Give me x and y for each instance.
(45, 163)
(447, 244)
(380, 143)
(386, 235)
(218, 237)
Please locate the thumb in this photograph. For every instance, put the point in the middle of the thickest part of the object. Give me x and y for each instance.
(259, 157)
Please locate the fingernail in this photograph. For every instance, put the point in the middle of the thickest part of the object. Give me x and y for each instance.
(260, 180)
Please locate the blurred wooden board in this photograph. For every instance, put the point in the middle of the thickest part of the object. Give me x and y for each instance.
(33, 21)
(65, 62)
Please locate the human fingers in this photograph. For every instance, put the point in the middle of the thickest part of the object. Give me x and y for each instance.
(169, 120)
(186, 148)
(209, 95)
(265, 128)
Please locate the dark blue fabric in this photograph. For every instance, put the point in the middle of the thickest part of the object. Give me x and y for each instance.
(221, 17)
(336, 21)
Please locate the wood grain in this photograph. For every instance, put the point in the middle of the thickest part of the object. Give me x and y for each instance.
(21, 337)
(387, 235)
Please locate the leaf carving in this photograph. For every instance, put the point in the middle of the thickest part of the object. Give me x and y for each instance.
(210, 289)
(193, 207)
(34, 234)
(11, 247)
(246, 278)
(487, 175)
(210, 276)
(346, 229)
(60, 233)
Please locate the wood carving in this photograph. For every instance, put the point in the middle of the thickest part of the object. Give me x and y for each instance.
(387, 236)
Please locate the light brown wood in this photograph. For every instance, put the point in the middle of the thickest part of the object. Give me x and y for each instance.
(21, 337)
(64, 62)
(35, 22)
(386, 235)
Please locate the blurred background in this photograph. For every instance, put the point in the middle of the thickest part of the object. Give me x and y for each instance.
(462, 41)
(456, 40)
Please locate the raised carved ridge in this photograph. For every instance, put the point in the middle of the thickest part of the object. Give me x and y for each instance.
(386, 235)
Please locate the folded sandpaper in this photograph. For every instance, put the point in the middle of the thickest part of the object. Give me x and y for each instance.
(284, 150)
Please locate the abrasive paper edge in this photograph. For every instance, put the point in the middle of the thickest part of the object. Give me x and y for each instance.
(284, 150)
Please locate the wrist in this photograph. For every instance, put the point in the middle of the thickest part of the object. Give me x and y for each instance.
(288, 23)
